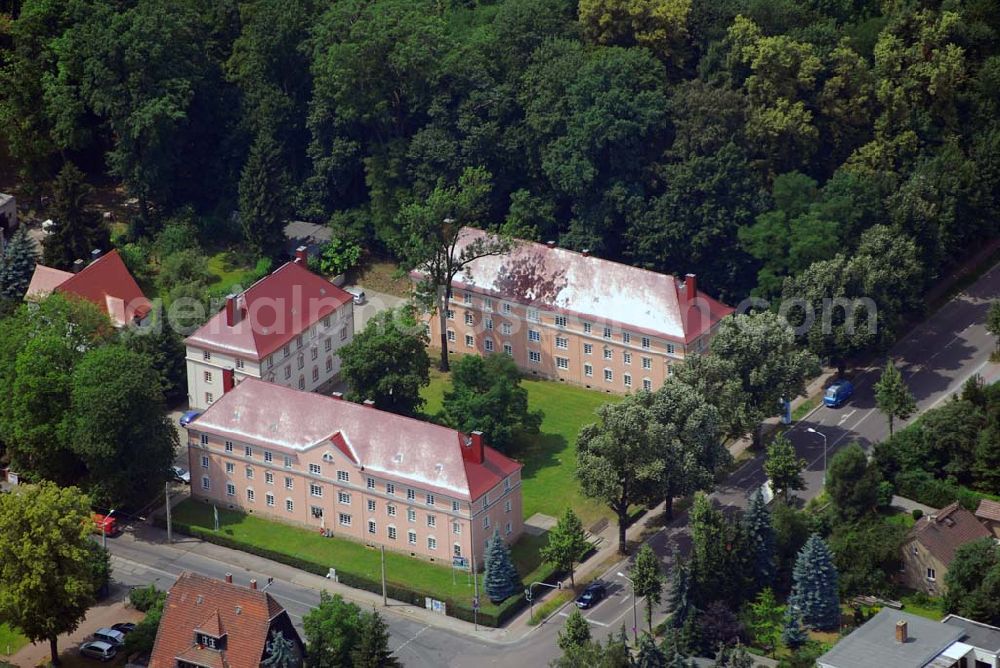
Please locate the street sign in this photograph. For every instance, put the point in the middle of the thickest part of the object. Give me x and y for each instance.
(459, 562)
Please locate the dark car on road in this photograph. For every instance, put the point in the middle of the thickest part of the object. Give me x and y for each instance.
(591, 596)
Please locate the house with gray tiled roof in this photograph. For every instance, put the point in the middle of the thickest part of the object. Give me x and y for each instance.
(931, 544)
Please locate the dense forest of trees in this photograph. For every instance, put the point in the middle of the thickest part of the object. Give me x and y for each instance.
(753, 142)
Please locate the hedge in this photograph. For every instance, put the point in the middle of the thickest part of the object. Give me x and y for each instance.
(459, 610)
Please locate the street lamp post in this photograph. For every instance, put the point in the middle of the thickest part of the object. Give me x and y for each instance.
(823, 436)
(104, 529)
(635, 616)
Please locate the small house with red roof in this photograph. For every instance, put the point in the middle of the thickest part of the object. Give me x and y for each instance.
(354, 471)
(209, 623)
(568, 315)
(285, 329)
(106, 282)
(931, 544)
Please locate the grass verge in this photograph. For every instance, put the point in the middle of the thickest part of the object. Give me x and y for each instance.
(408, 579)
(11, 640)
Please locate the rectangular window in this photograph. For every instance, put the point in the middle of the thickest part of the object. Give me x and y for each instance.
(626, 337)
(390, 488)
(670, 349)
(313, 353)
(230, 468)
(371, 505)
(208, 376)
(288, 462)
(451, 314)
(507, 505)
(647, 384)
(508, 350)
(410, 495)
(345, 519)
(627, 358)
(288, 482)
(301, 361)
(344, 498)
(645, 342)
(371, 526)
(248, 451)
(451, 336)
(316, 511)
(468, 319)
(588, 370)
(250, 495)
(456, 528)
(269, 499)
(647, 362)
(608, 353)
(562, 342)
(562, 362)
(205, 355)
(505, 329)
(488, 345)
(289, 505)
(329, 364)
(534, 335)
(392, 533)
(269, 477)
(609, 375)
(286, 351)
(411, 515)
(390, 510)
(534, 356)
(204, 461)
(467, 297)
(326, 321)
(343, 476)
(506, 308)
(469, 341)
(489, 324)
(343, 333)
(508, 530)
(486, 522)
(455, 506)
(206, 483)
(229, 446)
(560, 321)
(288, 372)
(532, 315)
(268, 456)
(607, 332)
(488, 305)
(432, 543)
(209, 398)
(315, 469)
(328, 344)
(250, 473)
(315, 490)
(627, 379)
(298, 342)
(432, 520)
(430, 499)
(230, 489)
(270, 361)
(411, 537)
(370, 483)
(587, 328)
(588, 349)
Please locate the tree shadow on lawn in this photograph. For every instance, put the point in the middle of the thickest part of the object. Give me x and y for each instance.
(539, 451)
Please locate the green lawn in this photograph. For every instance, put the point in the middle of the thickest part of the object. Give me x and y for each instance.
(227, 272)
(355, 558)
(549, 457)
(11, 640)
(925, 606)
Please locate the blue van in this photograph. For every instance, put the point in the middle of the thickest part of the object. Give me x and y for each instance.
(838, 393)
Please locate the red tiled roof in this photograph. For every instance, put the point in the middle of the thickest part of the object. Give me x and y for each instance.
(105, 282)
(196, 601)
(400, 448)
(988, 510)
(570, 282)
(274, 310)
(946, 530)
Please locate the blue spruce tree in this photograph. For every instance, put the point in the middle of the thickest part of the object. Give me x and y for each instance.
(17, 264)
(814, 594)
(680, 597)
(650, 656)
(793, 635)
(500, 577)
(761, 542)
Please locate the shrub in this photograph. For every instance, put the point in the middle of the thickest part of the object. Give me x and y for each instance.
(917, 513)
(144, 598)
(338, 256)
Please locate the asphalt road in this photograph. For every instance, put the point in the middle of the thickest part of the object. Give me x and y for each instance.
(936, 358)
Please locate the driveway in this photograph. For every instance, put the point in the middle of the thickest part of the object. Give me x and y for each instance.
(375, 302)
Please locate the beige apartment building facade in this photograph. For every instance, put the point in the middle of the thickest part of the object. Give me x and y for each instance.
(352, 471)
(285, 329)
(575, 318)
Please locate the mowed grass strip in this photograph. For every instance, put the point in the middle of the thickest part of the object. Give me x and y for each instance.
(549, 457)
(355, 558)
(11, 640)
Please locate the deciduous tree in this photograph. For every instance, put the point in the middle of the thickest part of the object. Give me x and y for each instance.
(567, 543)
(892, 396)
(332, 630)
(575, 633)
(784, 467)
(764, 620)
(852, 482)
(647, 580)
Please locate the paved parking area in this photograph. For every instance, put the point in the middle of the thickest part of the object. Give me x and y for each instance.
(375, 302)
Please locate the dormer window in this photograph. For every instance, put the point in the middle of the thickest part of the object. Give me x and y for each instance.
(210, 641)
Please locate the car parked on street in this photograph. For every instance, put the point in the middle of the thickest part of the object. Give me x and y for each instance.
(110, 636)
(591, 596)
(98, 649)
(837, 393)
(124, 627)
(189, 417)
(358, 295)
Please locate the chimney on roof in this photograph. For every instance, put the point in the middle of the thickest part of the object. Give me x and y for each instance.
(302, 256)
(901, 636)
(338, 395)
(228, 382)
(585, 252)
(473, 450)
(253, 585)
(690, 287)
(95, 254)
(77, 266)
(232, 312)
(229, 578)
(550, 244)
(369, 403)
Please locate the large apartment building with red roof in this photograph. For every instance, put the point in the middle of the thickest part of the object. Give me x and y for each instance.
(354, 471)
(210, 623)
(576, 318)
(285, 329)
(105, 282)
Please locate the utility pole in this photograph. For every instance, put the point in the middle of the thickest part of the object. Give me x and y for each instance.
(385, 600)
(166, 489)
(475, 579)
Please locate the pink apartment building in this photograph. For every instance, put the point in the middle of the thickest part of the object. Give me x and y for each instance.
(577, 318)
(354, 471)
(286, 329)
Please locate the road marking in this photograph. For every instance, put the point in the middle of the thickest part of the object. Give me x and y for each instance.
(115, 557)
(592, 621)
(411, 639)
